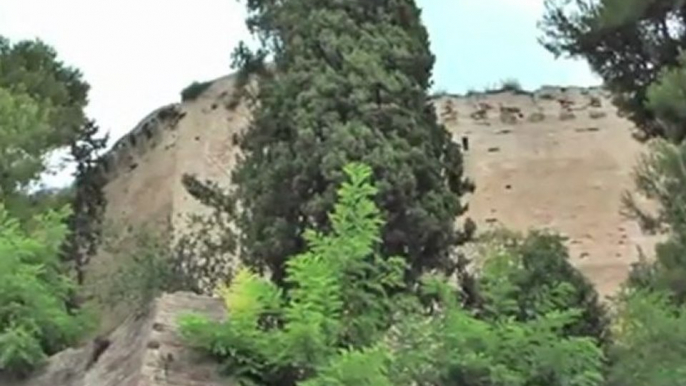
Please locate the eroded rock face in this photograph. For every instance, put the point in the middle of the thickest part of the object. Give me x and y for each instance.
(146, 350)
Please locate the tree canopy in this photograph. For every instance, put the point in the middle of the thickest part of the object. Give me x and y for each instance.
(630, 44)
(348, 85)
(41, 110)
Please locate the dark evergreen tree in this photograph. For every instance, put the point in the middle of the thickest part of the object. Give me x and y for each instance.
(89, 202)
(628, 43)
(348, 83)
(530, 276)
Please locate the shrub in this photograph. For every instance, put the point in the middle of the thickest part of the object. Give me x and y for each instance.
(194, 90)
(512, 85)
(525, 277)
(347, 319)
(34, 319)
(146, 267)
(455, 348)
(650, 341)
(336, 308)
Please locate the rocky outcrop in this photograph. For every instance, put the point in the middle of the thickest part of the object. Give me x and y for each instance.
(146, 350)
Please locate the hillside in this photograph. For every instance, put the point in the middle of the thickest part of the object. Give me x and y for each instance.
(556, 158)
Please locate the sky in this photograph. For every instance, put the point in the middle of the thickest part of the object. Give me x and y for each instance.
(138, 55)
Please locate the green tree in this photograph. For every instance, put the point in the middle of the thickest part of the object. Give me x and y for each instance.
(41, 110)
(32, 67)
(629, 43)
(660, 177)
(350, 84)
(666, 99)
(454, 348)
(337, 301)
(23, 138)
(347, 318)
(526, 277)
(650, 341)
(34, 320)
(89, 202)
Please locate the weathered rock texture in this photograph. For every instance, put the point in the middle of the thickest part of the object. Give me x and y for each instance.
(557, 158)
(146, 350)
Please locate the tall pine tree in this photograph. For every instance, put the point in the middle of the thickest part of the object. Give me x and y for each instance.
(89, 202)
(349, 82)
(629, 43)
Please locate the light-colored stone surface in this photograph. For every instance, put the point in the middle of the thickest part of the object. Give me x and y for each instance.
(144, 351)
(566, 168)
(567, 175)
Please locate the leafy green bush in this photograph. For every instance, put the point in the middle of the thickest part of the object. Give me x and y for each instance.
(346, 318)
(455, 348)
(650, 341)
(34, 320)
(611, 36)
(194, 90)
(338, 299)
(525, 277)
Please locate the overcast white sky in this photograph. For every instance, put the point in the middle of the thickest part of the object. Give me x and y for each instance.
(139, 54)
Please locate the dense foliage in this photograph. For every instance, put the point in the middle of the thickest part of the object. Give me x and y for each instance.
(22, 121)
(630, 44)
(636, 46)
(33, 82)
(650, 342)
(348, 85)
(347, 318)
(89, 203)
(661, 178)
(345, 104)
(41, 110)
(34, 319)
(525, 277)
